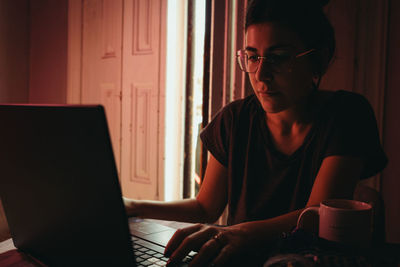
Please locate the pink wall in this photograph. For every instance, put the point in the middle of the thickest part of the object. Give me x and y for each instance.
(391, 175)
(14, 51)
(48, 51)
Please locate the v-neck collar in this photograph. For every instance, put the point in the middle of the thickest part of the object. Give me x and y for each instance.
(266, 135)
(265, 131)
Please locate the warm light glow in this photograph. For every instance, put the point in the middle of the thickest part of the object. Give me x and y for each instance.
(197, 84)
(175, 80)
(175, 88)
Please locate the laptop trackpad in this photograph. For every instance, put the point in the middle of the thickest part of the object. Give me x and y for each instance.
(160, 238)
(151, 231)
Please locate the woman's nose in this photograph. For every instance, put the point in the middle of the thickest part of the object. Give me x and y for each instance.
(264, 71)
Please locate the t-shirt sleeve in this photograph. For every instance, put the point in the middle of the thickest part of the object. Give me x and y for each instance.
(216, 135)
(354, 132)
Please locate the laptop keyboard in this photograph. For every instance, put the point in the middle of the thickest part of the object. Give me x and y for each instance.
(148, 257)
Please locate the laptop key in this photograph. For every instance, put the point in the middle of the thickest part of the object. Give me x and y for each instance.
(158, 255)
(161, 263)
(138, 253)
(146, 263)
(152, 259)
(186, 259)
(151, 252)
(139, 259)
(192, 254)
(143, 249)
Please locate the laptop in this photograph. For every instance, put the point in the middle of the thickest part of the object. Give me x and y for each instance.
(60, 189)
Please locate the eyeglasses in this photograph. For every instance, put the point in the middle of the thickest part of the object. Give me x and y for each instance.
(277, 61)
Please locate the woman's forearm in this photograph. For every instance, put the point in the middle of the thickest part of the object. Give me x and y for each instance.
(266, 232)
(186, 210)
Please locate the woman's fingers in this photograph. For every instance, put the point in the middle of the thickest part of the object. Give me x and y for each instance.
(185, 242)
(208, 252)
(224, 256)
(215, 245)
(177, 239)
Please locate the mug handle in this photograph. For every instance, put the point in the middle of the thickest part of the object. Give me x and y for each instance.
(311, 226)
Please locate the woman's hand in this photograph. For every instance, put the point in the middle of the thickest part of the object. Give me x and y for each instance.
(131, 207)
(216, 246)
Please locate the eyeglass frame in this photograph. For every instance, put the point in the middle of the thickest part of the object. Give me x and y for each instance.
(265, 57)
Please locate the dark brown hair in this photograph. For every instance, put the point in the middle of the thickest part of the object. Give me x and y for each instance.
(304, 17)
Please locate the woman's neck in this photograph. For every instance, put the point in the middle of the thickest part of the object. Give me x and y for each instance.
(289, 128)
(290, 120)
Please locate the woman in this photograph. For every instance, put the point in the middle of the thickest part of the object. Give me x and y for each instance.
(286, 147)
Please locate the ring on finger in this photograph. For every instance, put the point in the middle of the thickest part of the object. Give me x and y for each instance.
(217, 239)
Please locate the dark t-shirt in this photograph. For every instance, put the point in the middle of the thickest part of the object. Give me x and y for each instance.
(265, 183)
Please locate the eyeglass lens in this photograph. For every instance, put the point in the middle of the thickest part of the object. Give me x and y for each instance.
(276, 62)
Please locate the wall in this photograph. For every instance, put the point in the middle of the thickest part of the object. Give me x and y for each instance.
(14, 51)
(391, 175)
(33, 51)
(367, 61)
(48, 51)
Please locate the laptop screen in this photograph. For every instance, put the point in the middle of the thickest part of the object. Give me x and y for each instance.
(60, 188)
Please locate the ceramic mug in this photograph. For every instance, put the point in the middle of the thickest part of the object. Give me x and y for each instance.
(342, 220)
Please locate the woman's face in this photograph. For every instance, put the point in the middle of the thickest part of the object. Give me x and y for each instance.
(282, 86)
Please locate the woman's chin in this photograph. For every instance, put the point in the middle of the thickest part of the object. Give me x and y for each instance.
(271, 107)
(273, 110)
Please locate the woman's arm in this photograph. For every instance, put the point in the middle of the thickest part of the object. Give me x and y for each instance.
(336, 178)
(206, 207)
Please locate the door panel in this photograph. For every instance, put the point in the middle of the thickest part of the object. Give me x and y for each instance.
(142, 147)
(101, 62)
(117, 58)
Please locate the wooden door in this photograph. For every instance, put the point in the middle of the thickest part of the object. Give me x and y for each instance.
(143, 98)
(116, 57)
(101, 62)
